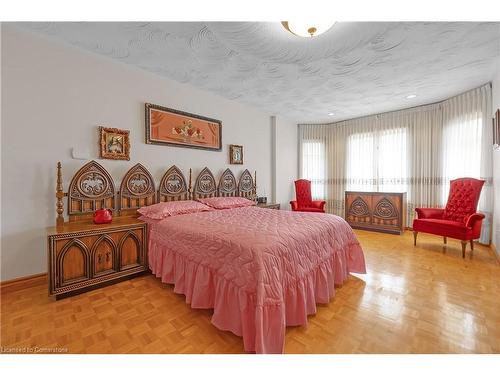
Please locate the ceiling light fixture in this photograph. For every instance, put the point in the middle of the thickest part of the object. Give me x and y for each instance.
(331, 114)
(307, 28)
(411, 96)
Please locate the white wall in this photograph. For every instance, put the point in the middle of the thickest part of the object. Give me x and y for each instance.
(54, 98)
(496, 163)
(286, 166)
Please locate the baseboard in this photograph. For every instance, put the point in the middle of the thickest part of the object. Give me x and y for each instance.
(23, 282)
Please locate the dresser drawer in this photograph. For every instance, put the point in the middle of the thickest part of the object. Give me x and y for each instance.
(79, 260)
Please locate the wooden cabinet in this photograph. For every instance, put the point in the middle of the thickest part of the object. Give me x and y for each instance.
(273, 206)
(384, 212)
(83, 255)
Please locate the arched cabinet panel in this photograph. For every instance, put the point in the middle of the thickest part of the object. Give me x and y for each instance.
(103, 256)
(73, 263)
(131, 251)
(385, 211)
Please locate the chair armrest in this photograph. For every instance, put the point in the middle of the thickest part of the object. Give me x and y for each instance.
(294, 205)
(430, 213)
(318, 204)
(474, 220)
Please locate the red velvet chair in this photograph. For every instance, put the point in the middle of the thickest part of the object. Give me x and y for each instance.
(304, 200)
(458, 219)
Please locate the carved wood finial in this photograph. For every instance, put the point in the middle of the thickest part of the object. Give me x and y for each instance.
(59, 197)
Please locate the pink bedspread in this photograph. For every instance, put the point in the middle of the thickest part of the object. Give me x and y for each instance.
(259, 269)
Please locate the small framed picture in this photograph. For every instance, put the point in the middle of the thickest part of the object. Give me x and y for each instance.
(235, 154)
(115, 143)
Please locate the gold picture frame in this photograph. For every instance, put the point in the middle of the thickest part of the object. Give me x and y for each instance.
(114, 143)
(235, 154)
(170, 127)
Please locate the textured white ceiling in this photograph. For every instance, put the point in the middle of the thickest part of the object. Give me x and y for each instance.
(354, 69)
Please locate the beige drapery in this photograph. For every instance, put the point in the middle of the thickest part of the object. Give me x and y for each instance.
(417, 150)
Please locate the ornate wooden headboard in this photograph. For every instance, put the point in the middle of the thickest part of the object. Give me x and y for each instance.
(205, 185)
(137, 189)
(228, 187)
(173, 186)
(247, 185)
(92, 188)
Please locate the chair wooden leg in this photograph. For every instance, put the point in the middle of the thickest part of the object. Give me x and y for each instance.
(464, 244)
(472, 245)
(415, 238)
(445, 240)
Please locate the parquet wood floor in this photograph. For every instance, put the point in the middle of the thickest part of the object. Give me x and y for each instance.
(413, 300)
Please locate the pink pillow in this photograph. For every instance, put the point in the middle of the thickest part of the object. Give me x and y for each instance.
(226, 202)
(164, 209)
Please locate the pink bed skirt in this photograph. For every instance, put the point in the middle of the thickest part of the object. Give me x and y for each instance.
(262, 327)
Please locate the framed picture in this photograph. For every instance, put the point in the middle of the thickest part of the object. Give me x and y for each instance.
(235, 154)
(169, 127)
(115, 143)
(496, 128)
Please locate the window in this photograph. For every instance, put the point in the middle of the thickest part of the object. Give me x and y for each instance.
(377, 161)
(313, 166)
(417, 151)
(360, 162)
(392, 161)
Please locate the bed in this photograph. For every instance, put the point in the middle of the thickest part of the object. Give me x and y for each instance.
(260, 270)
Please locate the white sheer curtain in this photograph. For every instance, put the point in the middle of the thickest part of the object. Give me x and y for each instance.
(361, 164)
(392, 160)
(313, 166)
(377, 160)
(418, 150)
(467, 151)
(468, 133)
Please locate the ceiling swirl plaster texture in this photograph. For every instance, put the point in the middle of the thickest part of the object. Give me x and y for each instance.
(352, 70)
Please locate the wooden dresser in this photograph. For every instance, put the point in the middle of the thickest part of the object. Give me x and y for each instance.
(83, 255)
(378, 211)
(273, 206)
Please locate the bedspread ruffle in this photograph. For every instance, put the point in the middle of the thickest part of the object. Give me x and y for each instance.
(235, 310)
